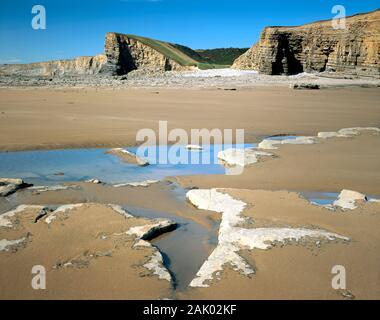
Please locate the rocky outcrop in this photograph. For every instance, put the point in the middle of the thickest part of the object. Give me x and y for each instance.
(122, 54)
(79, 66)
(9, 186)
(318, 47)
(125, 53)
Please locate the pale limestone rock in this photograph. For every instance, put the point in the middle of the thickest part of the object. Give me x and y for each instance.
(273, 144)
(128, 156)
(233, 238)
(156, 265)
(10, 185)
(5, 244)
(241, 157)
(148, 231)
(120, 210)
(145, 183)
(89, 65)
(347, 199)
(49, 188)
(4, 218)
(346, 132)
(62, 209)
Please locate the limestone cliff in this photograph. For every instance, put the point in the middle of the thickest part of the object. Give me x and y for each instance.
(318, 47)
(122, 54)
(125, 53)
(79, 66)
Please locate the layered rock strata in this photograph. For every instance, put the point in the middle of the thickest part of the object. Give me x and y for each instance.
(318, 47)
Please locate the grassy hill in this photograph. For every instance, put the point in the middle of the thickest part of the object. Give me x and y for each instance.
(203, 59)
(223, 56)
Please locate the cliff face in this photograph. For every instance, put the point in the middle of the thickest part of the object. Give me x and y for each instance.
(317, 47)
(122, 54)
(78, 66)
(125, 54)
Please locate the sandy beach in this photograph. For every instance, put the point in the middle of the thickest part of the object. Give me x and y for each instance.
(70, 118)
(87, 249)
(302, 270)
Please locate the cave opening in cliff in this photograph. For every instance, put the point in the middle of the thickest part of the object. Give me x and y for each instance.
(286, 62)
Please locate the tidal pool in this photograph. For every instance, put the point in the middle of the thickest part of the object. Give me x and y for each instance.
(58, 166)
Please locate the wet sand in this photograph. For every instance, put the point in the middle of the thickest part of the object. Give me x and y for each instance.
(87, 117)
(303, 270)
(106, 268)
(191, 238)
(329, 166)
(46, 119)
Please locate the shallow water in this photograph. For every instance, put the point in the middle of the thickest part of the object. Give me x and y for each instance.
(280, 138)
(184, 249)
(320, 198)
(59, 166)
(325, 198)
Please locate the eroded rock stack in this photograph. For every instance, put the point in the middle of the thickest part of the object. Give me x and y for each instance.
(318, 47)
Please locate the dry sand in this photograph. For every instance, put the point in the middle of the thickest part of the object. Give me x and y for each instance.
(62, 118)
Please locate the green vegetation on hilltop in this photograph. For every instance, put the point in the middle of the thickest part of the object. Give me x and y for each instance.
(167, 49)
(222, 56)
(185, 56)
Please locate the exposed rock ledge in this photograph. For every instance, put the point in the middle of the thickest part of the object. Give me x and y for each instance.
(348, 200)
(233, 238)
(142, 233)
(9, 186)
(78, 66)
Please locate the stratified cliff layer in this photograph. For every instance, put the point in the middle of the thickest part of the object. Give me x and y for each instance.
(79, 66)
(122, 54)
(126, 53)
(318, 47)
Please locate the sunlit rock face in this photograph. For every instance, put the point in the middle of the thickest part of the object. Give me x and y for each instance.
(318, 47)
(125, 53)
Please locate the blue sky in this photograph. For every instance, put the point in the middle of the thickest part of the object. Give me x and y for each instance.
(77, 27)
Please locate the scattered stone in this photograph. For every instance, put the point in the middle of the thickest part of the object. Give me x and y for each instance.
(49, 188)
(193, 147)
(272, 144)
(5, 244)
(145, 183)
(128, 156)
(347, 199)
(346, 132)
(94, 181)
(346, 294)
(9, 186)
(150, 231)
(305, 86)
(241, 157)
